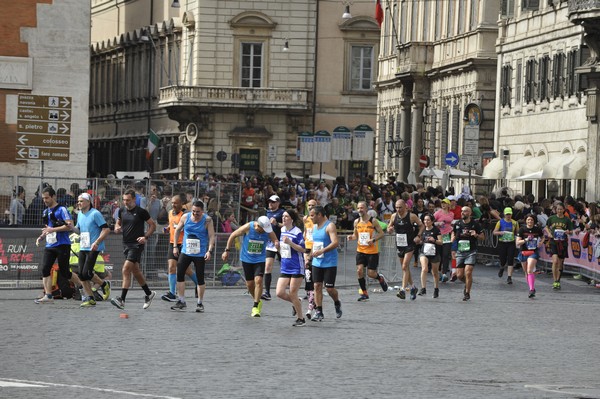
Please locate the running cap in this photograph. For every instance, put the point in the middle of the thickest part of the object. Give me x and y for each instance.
(264, 222)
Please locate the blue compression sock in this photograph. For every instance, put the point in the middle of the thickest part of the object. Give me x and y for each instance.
(173, 283)
(194, 278)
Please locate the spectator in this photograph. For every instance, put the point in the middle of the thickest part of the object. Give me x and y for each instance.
(17, 207)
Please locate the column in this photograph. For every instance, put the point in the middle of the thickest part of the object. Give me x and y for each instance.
(416, 135)
(405, 135)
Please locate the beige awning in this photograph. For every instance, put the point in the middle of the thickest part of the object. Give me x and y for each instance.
(493, 170)
(555, 166)
(576, 169)
(515, 169)
(533, 165)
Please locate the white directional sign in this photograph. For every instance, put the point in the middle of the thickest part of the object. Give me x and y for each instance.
(44, 127)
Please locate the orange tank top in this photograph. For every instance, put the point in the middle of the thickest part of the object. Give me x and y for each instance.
(365, 231)
(173, 222)
(308, 230)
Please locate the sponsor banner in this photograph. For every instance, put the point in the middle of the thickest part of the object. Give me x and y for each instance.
(341, 144)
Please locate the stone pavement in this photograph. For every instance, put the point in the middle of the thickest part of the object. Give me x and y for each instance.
(500, 345)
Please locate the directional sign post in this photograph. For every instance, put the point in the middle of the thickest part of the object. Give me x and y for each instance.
(452, 159)
(43, 128)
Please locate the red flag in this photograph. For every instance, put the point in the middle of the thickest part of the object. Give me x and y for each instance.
(379, 13)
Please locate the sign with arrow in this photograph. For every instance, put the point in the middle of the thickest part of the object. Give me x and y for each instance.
(43, 127)
(452, 159)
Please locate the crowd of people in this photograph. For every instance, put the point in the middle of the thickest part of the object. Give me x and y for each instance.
(436, 229)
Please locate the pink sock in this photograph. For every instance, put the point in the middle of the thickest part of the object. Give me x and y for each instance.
(531, 281)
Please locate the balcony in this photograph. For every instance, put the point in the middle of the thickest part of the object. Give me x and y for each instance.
(234, 97)
(583, 10)
(414, 59)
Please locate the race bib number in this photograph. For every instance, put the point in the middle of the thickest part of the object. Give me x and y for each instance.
(192, 246)
(51, 238)
(508, 236)
(363, 238)
(255, 247)
(429, 249)
(532, 243)
(464, 245)
(401, 240)
(249, 199)
(446, 238)
(387, 217)
(285, 250)
(317, 246)
(560, 235)
(309, 233)
(84, 240)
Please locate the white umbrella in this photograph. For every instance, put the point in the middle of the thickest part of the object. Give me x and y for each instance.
(322, 176)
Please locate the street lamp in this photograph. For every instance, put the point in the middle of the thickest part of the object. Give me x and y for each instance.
(395, 147)
(175, 4)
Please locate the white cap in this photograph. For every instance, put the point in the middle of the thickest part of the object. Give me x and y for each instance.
(452, 198)
(265, 223)
(86, 197)
(274, 198)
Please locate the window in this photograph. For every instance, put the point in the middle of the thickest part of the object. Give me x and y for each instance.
(571, 78)
(438, 20)
(474, 19)
(450, 20)
(413, 21)
(251, 69)
(530, 5)
(530, 80)
(519, 82)
(461, 16)
(361, 68)
(558, 75)
(505, 90)
(426, 16)
(402, 27)
(507, 8)
(544, 78)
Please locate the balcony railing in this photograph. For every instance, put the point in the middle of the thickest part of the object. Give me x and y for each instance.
(583, 9)
(233, 97)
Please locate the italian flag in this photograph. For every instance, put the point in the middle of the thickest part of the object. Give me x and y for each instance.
(379, 13)
(152, 143)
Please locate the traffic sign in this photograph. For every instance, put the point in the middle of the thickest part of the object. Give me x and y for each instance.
(43, 127)
(424, 161)
(452, 159)
(272, 155)
(471, 147)
(221, 156)
(469, 162)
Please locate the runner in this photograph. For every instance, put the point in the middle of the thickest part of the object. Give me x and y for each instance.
(325, 260)
(291, 248)
(92, 230)
(197, 247)
(558, 228)
(131, 221)
(430, 254)
(466, 232)
(443, 220)
(309, 285)
(367, 231)
(506, 228)
(402, 223)
(253, 255)
(275, 214)
(530, 239)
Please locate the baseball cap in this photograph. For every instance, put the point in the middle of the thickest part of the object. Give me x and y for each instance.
(508, 210)
(86, 197)
(446, 200)
(274, 198)
(452, 197)
(264, 222)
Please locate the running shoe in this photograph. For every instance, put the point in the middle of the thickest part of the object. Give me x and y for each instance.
(532, 293)
(106, 290)
(199, 308)
(444, 278)
(169, 297)
(179, 306)
(338, 310)
(384, 285)
(260, 304)
(558, 285)
(501, 271)
(401, 294)
(363, 297)
(98, 295)
(509, 280)
(44, 300)
(436, 292)
(299, 323)
(255, 311)
(118, 302)
(413, 293)
(318, 316)
(266, 296)
(454, 277)
(577, 277)
(148, 299)
(422, 291)
(308, 314)
(88, 303)
(467, 296)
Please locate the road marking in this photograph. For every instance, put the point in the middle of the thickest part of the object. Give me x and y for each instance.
(29, 384)
(566, 389)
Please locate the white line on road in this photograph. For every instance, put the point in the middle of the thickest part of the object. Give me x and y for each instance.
(11, 382)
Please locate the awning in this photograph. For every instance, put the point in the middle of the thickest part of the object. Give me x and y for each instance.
(493, 170)
(577, 168)
(525, 166)
(281, 175)
(554, 168)
(531, 176)
(171, 171)
(321, 176)
(439, 173)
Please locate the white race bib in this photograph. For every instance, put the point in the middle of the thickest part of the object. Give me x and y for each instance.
(317, 246)
(51, 238)
(84, 240)
(401, 240)
(363, 238)
(429, 249)
(192, 246)
(285, 250)
(309, 233)
(560, 235)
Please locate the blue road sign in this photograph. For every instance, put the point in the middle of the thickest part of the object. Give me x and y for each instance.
(452, 159)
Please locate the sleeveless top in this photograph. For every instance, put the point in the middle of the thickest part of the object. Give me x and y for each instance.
(308, 233)
(405, 231)
(173, 222)
(366, 231)
(321, 239)
(195, 237)
(254, 246)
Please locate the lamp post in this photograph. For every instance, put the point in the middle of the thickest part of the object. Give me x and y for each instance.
(395, 147)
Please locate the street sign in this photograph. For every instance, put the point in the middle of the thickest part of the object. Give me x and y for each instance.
(471, 147)
(272, 155)
(221, 156)
(43, 127)
(424, 161)
(469, 162)
(452, 159)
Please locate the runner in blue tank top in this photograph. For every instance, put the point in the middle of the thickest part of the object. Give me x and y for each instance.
(197, 246)
(253, 255)
(324, 260)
